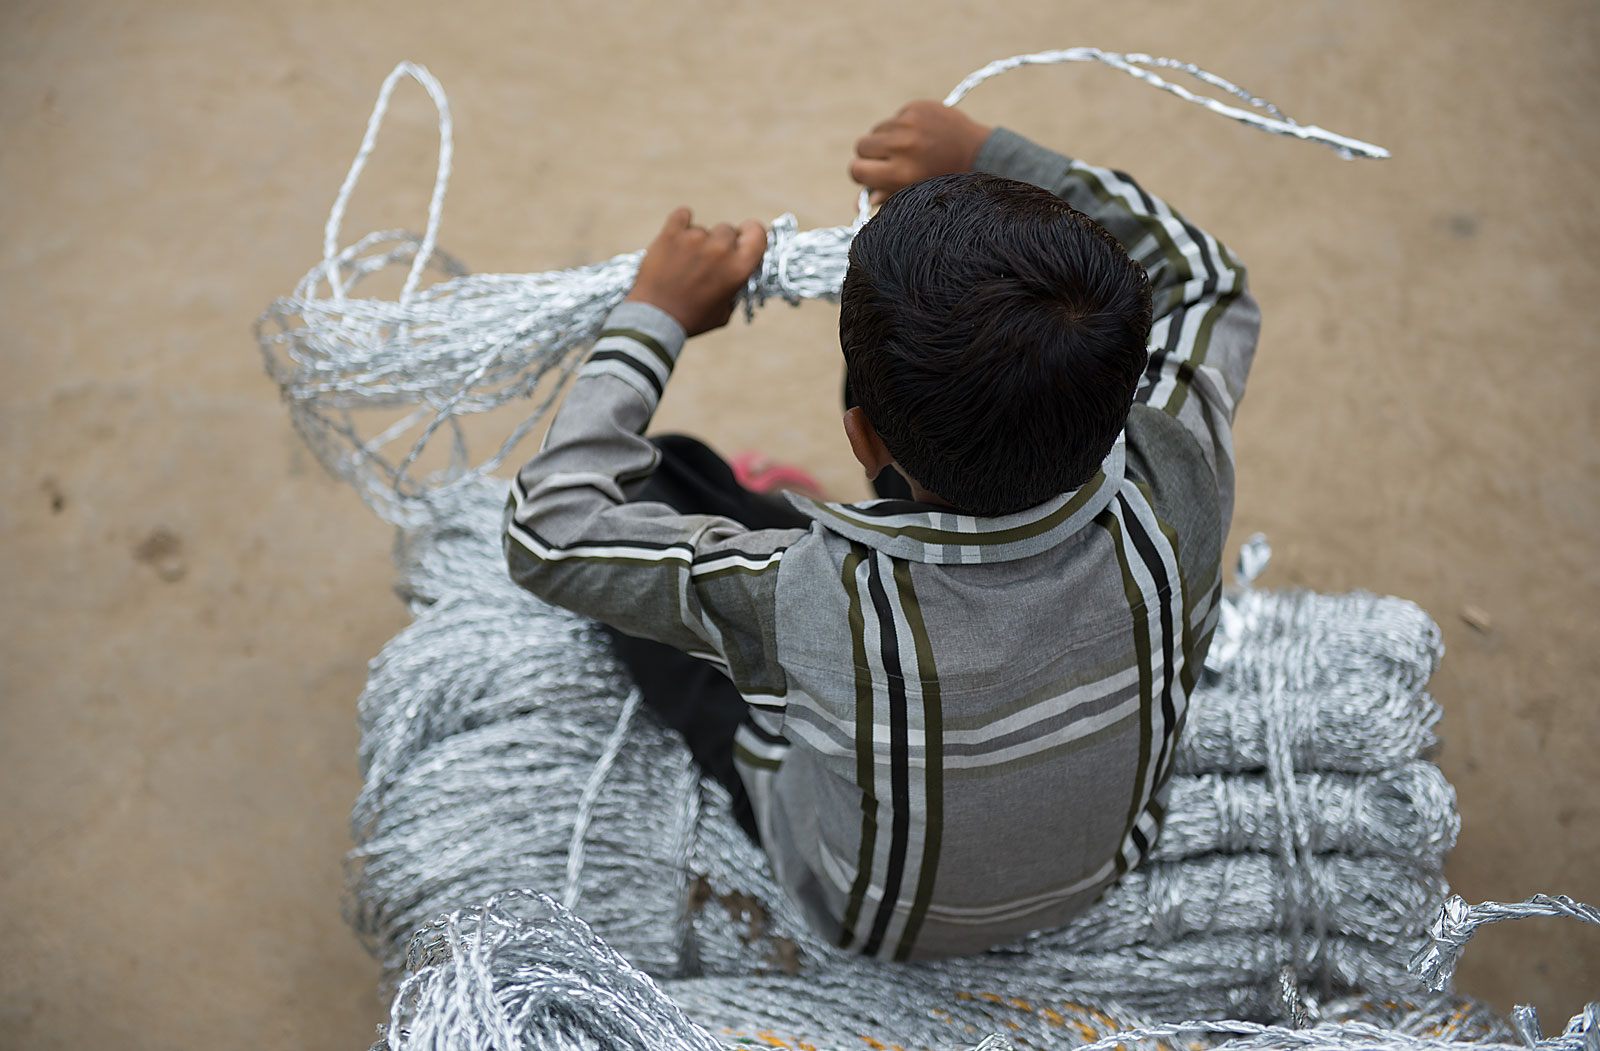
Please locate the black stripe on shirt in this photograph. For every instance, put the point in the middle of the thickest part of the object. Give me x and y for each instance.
(765, 736)
(1152, 365)
(1111, 520)
(866, 767)
(686, 551)
(1144, 198)
(1158, 572)
(1139, 841)
(644, 339)
(899, 758)
(633, 363)
(889, 507)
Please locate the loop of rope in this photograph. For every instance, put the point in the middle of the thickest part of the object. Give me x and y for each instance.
(1274, 121)
(441, 180)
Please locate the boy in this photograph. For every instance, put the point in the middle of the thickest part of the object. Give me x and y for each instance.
(948, 715)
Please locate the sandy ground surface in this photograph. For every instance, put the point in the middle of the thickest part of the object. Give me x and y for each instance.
(190, 601)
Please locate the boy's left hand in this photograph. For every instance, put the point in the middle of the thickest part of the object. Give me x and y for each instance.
(694, 273)
(924, 139)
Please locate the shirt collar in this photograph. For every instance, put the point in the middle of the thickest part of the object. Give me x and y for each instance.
(921, 533)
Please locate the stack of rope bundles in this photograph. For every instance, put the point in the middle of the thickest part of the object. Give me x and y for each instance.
(503, 750)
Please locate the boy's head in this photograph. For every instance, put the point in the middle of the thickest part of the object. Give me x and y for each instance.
(993, 336)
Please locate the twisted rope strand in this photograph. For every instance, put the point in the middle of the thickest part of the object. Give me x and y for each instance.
(1276, 121)
(1457, 922)
(591, 792)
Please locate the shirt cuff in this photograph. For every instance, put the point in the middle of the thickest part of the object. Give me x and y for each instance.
(1006, 153)
(638, 344)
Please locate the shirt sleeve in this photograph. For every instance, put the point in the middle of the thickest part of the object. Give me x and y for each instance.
(702, 583)
(1205, 322)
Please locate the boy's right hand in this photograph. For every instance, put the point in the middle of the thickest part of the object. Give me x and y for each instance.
(924, 139)
(694, 273)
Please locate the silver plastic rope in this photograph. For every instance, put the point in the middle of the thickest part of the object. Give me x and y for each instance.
(591, 792)
(371, 383)
(1267, 116)
(1457, 922)
(1406, 814)
(521, 972)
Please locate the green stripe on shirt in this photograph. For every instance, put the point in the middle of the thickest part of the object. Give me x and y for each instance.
(864, 749)
(933, 756)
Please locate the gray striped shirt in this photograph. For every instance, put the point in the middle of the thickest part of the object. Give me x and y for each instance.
(962, 727)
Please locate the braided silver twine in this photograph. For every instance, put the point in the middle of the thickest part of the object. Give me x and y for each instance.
(503, 749)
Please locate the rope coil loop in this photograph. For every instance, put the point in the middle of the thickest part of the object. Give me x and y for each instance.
(331, 256)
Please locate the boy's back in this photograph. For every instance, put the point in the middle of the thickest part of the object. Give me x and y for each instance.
(1014, 743)
(959, 726)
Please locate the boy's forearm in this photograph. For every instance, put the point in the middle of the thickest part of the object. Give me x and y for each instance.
(1006, 153)
(639, 345)
(577, 535)
(564, 497)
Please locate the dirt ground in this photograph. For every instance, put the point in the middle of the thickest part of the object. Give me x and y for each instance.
(191, 602)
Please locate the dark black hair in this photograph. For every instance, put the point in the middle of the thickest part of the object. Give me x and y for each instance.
(994, 336)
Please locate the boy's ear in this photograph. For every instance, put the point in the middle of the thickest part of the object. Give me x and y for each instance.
(868, 448)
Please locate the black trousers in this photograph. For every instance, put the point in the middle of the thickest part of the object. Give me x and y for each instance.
(689, 695)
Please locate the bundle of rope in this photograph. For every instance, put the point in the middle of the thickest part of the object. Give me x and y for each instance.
(504, 753)
(519, 971)
(503, 749)
(484, 724)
